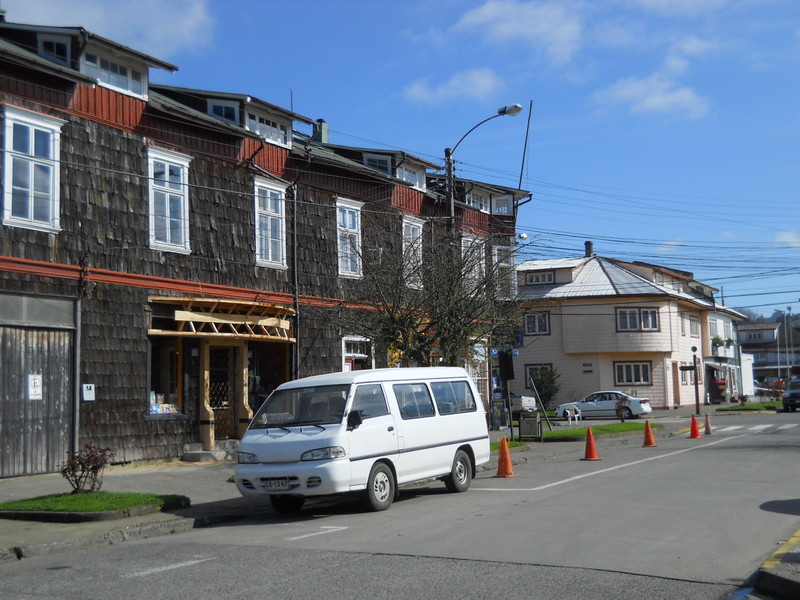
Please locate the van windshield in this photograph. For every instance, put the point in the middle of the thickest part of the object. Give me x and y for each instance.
(315, 405)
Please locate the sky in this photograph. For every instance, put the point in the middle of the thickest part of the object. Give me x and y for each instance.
(665, 131)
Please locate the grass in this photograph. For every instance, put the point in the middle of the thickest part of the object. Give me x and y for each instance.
(95, 502)
(768, 405)
(580, 432)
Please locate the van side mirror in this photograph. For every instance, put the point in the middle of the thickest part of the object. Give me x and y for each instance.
(353, 420)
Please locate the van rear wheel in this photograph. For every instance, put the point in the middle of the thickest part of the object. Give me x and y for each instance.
(287, 504)
(380, 488)
(461, 473)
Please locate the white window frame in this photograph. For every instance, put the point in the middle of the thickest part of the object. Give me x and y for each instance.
(51, 127)
(504, 272)
(479, 199)
(694, 326)
(357, 341)
(412, 175)
(541, 323)
(540, 278)
(55, 39)
(348, 236)
(214, 102)
(633, 373)
(180, 193)
(105, 78)
(269, 128)
(270, 243)
(503, 205)
(471, 245)
(637, 319)
(373, 160)
(412, 251)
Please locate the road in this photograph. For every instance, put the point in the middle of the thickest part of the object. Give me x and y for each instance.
(691, 518)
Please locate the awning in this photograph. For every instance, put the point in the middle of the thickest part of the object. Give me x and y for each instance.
(219, 318)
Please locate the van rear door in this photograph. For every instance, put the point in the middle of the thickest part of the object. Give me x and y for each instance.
(376, 437)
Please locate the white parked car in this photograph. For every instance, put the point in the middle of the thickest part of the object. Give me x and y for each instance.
(605, 404)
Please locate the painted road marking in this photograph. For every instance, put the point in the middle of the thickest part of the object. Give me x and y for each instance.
(788, 426)
(325, 530)
(730, 428)
(163, 568)
(760, 427)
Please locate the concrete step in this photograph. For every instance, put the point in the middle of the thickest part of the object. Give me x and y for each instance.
(224, 450)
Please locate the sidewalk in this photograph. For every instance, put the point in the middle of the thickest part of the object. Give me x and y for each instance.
(215, 500)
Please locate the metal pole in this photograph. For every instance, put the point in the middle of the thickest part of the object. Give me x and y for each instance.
(451, 207)
(696, 386)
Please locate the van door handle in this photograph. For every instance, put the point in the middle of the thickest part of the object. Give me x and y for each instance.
(390, 428)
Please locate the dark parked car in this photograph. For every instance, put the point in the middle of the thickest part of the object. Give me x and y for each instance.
(791, 396)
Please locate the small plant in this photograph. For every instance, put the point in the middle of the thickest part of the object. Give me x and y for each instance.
(84, 469)
(717, 341)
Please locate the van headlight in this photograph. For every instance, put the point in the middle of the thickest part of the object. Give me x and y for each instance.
(246, 458)
(323, 453)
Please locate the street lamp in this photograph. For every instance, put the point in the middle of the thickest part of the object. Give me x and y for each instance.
(511, 110)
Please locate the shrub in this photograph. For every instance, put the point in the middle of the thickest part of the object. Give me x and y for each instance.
(84, 469)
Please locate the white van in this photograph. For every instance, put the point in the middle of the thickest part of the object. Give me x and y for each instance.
(364, 431)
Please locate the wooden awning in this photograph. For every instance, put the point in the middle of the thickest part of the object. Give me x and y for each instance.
(219, 318)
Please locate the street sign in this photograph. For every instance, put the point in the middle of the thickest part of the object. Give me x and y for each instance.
(686, 367)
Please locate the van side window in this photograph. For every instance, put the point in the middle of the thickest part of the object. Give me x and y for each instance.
(453, 397)
(414, 400)
(370, 401)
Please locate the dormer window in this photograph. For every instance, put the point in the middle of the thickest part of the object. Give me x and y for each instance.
(225, 110)
(503, 205)
(268, 128)
(113, 74)
(379, 162)
(416, 177)
(55, 48)
(539, 278)
(479, 200)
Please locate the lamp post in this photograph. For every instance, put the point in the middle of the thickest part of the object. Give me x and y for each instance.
(511, 110)
(696, 383)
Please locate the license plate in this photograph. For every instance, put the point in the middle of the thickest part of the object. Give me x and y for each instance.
(277, 485)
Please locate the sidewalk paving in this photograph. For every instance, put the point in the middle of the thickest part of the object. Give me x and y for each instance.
(215, 500)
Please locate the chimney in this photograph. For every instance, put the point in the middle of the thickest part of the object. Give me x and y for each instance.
(320, 132)
(588, 249)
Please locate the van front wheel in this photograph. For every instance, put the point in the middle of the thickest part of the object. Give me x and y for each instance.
(461, 473)
(380, 488)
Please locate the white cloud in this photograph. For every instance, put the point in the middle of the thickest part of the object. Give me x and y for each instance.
(180, 24)
(670, 247)
(554, 26)
(654, 94)
(476, 83)
(679, 8)
(789, 238)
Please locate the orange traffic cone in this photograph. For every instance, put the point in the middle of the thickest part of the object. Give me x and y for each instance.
(695, 431)
(504, 466)
(649, 440)
(708, 426)
(591, 452)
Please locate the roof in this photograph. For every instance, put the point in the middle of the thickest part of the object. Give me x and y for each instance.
(598, 277)
(244, 98)
(88, 35)
(378, 375)
(398, 153)
(18, 55)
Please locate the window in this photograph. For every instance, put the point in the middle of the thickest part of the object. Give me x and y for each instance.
(632, 373)
(687, 377)
(412, 251)
(114, 75)
(270, 225)
(755, 336)
(503, 205)
(224, 109)
(169, 200)
(694, 326)
(268, 129)
(473, 256)
(713, 330)
(540, 278)
(370, 401)
(637, 319)
(379, 162)
(55, 48)
(349, 236)
(479, 200)
(414, 400)
(166, 385)
(504, 271)
(537, 323)
(31, 170)
(416, 177)
(534, 372)
(357, 353)
(453, 397)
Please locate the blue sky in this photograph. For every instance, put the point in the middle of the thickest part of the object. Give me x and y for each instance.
(665, 131)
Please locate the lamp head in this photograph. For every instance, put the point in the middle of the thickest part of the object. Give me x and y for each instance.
(510, 109)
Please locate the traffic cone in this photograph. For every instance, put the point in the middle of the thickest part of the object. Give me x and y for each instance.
(708, 426)
(649, 440)
(504, 466)
(695, 431)
(591, 452)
